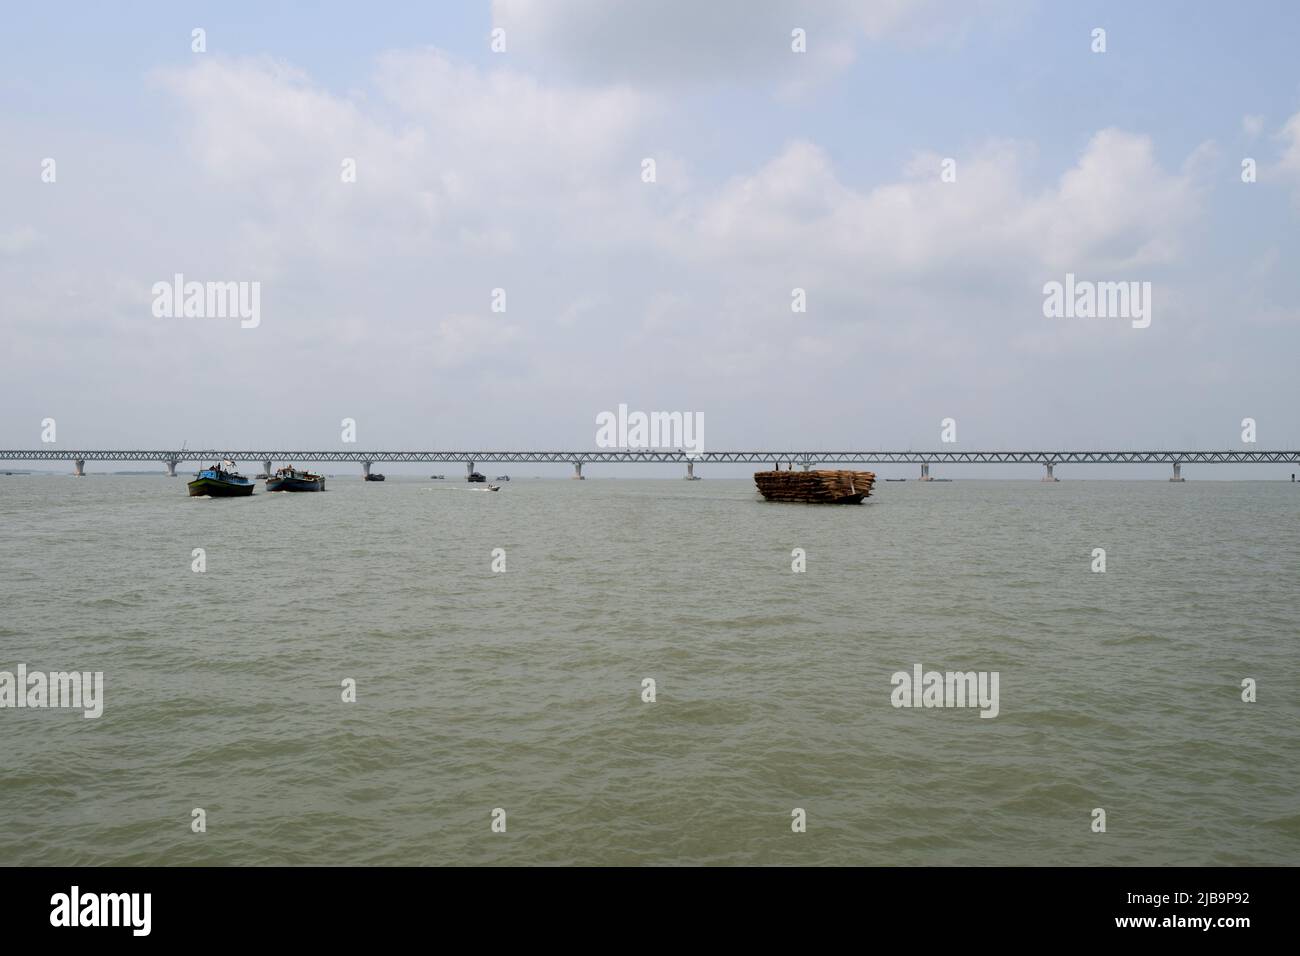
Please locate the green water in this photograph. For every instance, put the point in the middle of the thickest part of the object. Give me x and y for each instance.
(522, 690)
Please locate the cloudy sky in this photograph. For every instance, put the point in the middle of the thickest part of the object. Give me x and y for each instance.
(774, 170)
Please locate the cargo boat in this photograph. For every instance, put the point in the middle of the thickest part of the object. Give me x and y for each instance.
(815, 487)
(220, 481)
(291, 479)
(475, 476)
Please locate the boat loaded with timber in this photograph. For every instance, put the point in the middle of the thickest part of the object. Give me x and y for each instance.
(291, 479)
(815, 487)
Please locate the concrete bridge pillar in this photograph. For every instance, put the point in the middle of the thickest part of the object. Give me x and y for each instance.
(1178, 472)
(365, 469)
(925, 471)
(79, 467)
(690, 470)
(266, 467)
(807, 465)
(469, 469)
(577, 471)
(171, 468)
(1049, 476)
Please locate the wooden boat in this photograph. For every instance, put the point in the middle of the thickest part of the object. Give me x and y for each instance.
(476, 477)
(815, 487)
(291, 479)
(220, 481)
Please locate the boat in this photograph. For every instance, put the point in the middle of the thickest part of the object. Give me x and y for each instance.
(493, 487)
(815, 487)
(438, 477)
(291, 479)
(503, 477)
(375, 476)
(475, 476)
(220, 481)
(895, 479)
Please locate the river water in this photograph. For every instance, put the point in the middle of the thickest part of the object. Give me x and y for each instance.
(522, 690)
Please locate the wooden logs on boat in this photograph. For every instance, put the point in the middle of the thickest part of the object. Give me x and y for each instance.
(817, 487)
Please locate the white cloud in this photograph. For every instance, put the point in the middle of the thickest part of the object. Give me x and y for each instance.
(459, 339)
(1116, 208)
(447, 149)
(1288, 167)
(18, 239)
(674, 42)
(675, 295)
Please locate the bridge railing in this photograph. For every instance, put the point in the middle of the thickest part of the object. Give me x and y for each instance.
(1188, 456)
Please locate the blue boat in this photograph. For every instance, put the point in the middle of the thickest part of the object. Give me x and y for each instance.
(220, 481)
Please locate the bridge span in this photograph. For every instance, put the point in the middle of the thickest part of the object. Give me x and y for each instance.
(774, 459)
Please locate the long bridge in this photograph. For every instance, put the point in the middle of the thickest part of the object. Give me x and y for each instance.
(776, 459)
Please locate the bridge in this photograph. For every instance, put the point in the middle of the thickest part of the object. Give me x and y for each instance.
(776, 459)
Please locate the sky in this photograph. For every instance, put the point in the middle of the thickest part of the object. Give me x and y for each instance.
(524, 170)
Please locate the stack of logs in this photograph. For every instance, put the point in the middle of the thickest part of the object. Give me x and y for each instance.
(820, 487)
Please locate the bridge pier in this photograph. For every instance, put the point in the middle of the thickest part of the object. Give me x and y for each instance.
(365, 469)
(79, 467)
(925, 471)
(469, 469)
(807, 465)
(266, 467)
(577, 471)
(1049, 476)
(1178, 472)
(690, 471)
(171, 467)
